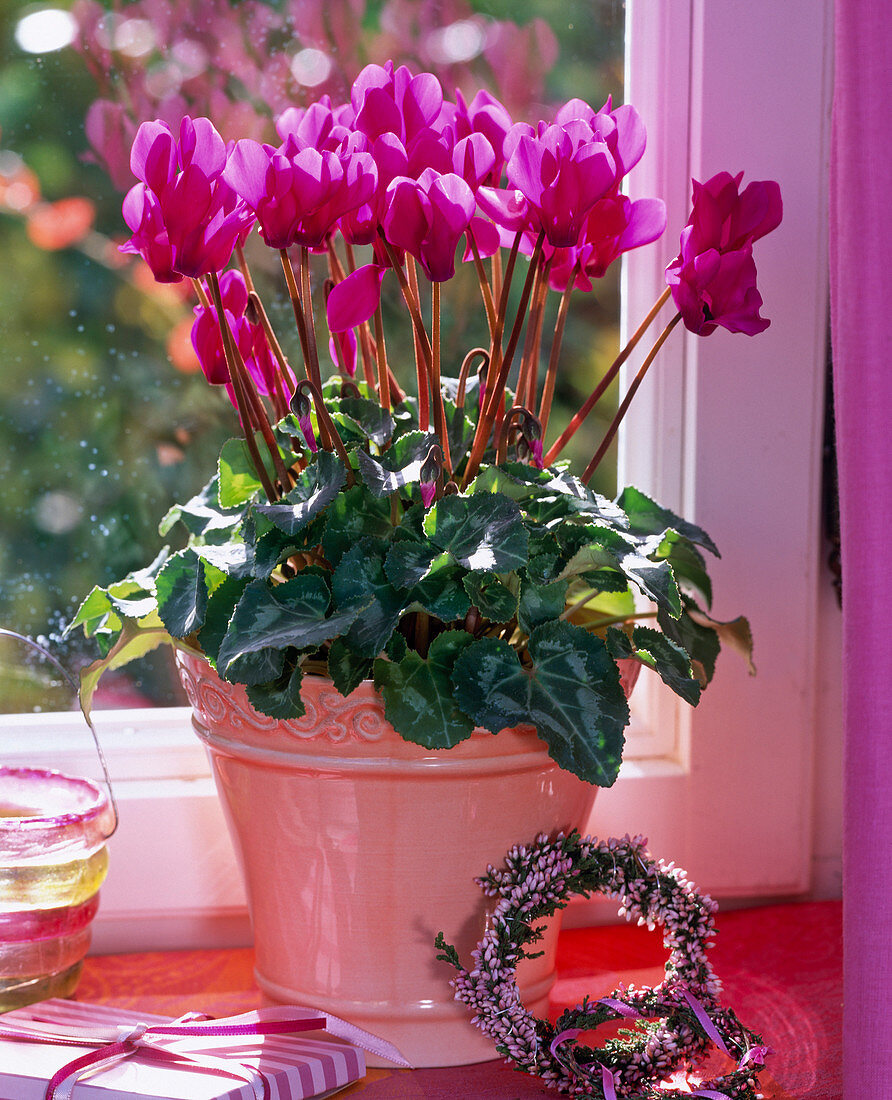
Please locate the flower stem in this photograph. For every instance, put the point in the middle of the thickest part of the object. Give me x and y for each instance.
(240, 395)
(485, 288)
(627, 400)
(297, 306)
(423, 362)
(436, 388)
(381, 357)
(551, 372)
(496, 393)
(600, 389)
(307, 296)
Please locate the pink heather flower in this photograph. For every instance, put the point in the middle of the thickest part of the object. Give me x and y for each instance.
(185, 219)
(562, 171)
(713, 278)
(427, 217)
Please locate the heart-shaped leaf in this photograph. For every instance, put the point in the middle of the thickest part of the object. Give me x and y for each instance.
(570, 692)
(484, 533)
(314, 490)
(352, 515)
(646, 517)
(398, 466)
(419, 699)
(360, 581)
(540, 603)
(346, 667)
(279, 698)
(182, 593)
(494, 600)
(655, 650)
(280, 616)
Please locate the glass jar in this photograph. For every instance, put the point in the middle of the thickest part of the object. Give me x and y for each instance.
(53, 859)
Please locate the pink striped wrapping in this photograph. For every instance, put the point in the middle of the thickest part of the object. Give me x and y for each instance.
(297, 1067)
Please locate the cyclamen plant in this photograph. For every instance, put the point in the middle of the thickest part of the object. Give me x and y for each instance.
(418, 531)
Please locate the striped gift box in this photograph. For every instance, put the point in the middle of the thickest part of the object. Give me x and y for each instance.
(296, 1066)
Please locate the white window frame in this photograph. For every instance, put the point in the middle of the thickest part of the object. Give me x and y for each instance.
(725, 790)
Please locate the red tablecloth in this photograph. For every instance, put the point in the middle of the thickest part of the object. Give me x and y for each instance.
(781, 967)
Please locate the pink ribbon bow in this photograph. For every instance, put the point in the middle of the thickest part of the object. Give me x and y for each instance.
(153, 1041)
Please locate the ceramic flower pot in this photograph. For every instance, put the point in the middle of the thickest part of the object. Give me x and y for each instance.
(357, 848)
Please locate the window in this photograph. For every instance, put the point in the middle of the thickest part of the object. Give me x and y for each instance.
(728, 432)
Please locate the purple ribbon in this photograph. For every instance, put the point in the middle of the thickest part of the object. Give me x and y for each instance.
(118, 1043)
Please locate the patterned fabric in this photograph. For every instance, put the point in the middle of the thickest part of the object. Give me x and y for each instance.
(781, 967)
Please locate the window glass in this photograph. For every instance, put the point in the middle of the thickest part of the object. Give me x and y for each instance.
(105, 419)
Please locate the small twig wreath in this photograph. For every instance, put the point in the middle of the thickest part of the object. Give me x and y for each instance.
(674, 1022)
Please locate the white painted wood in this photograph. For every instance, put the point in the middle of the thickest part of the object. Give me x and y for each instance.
(727, 431)
(737, 423)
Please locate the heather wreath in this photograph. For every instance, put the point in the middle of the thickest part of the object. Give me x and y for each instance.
(418, 526)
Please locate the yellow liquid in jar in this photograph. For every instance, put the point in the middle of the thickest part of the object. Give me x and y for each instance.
(16, 993)
(10, 809)
(47, 885)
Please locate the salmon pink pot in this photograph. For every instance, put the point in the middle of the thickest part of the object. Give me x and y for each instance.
(357, 848)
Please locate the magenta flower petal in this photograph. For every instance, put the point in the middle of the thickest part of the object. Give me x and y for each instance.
(473, 159)
(153, 157)
(246, 171)
(353, 301)
(200, 144)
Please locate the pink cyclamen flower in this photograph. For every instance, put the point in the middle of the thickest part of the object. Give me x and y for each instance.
(208, 341)
(713, 278)
(562, 171)
(427, 217)
(615, 225)
(185, 219)
(297, 193)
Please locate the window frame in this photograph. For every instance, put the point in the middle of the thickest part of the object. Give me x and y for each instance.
(717, 788)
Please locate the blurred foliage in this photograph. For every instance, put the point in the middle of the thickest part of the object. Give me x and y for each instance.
(99, 432)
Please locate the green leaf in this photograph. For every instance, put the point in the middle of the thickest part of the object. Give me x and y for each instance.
(347, 668)
(646, 517)
(494, 600)
(280, 697)
(289, 614)
(540, 603)
(600, 547)
(549, 494)
(459, 432)
(352, 515)
(659, 653)
(314, 490)
(398, 466)
(376, 423)
(735, 633)
(570, 692)
(182, 591)
(273, 546)
(221, 605)
(419, 700)
(234, 559)
(238, 480)
(408, 562)
(203, 516)
(135, 641)
(442, 594)
(484, 533)
(360, 581)
(688, 564)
